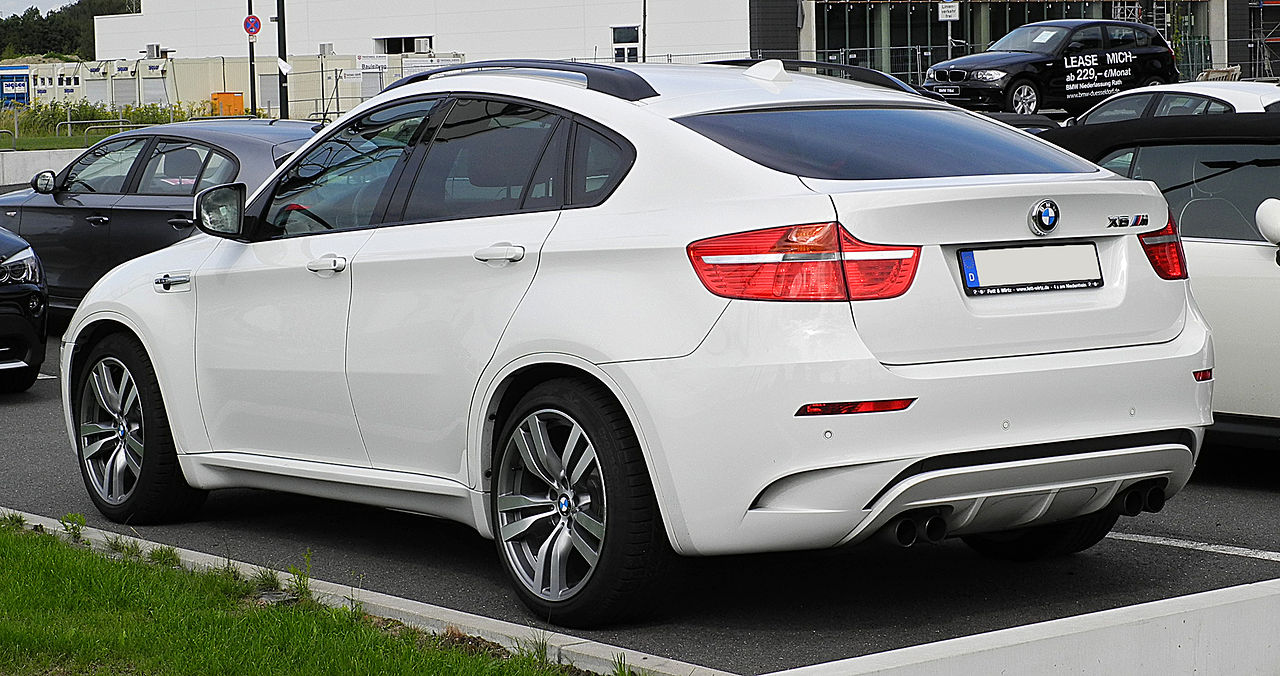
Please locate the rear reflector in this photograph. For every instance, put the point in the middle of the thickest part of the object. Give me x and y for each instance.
(1164, 249)
(1203, 375)
(819, 261)
(846, 407)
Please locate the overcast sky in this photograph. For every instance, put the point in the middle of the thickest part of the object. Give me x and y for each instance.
(8, 7)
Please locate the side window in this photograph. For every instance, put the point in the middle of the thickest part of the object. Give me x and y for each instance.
(1144, 39)
(1119, 110)
(337, 184)
(105, 168)
(1213, 190)
(1122, 37)
(176, 168)
(598, 166)
(1218, 108)
(1119, 161)
(481, 161)
(1090, 38)
(218, 170)
(1173, 105)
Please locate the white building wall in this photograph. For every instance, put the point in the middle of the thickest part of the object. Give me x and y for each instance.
(480, 29)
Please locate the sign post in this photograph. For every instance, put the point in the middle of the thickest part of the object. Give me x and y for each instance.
(949, 11)
(252, 25)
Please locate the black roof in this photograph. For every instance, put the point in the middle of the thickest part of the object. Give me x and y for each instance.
(1095, 141)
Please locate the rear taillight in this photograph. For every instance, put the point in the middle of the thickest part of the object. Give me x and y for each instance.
(819, 261)
(1164, 249)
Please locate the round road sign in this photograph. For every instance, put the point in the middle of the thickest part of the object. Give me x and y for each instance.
(252, 24)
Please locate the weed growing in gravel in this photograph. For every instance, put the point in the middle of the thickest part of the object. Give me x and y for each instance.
(535, 648)
(73, 524)
(300, 578)
(125, 547)
(164, 556)
(12, 521)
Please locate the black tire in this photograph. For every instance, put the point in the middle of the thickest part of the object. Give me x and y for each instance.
(633, 550)
(1040, 542)
(158, 492)
(13, 381)
(1152, 81)
(1017, 94)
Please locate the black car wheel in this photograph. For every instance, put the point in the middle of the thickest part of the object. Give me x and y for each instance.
(1022, 97)
(1152, 81)
(18, 380)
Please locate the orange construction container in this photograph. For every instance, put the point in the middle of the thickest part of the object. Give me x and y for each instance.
(228, 103)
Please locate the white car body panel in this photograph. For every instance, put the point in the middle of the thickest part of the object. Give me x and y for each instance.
(711, 385)
(1245, 97)
(1225, 274)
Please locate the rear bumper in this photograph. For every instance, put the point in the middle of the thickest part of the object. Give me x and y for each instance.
(22, 331)
(737, 471)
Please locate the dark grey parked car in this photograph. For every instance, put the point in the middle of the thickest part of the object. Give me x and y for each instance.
(132, 194)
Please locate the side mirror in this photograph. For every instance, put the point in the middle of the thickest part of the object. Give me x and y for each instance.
(44, 182)
(1074, 48)
(220, 210)
(1070, 122)
(1268, 219)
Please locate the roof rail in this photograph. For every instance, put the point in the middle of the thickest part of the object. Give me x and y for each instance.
(857, 73)
(619, 82)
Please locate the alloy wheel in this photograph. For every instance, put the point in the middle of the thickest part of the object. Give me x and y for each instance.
(110, 430)
(550, 504)
(1025, 99)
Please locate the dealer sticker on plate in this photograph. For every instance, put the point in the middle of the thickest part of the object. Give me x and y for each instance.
(1024, 269)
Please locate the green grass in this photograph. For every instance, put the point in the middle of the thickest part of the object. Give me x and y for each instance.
(68, 610)
(51, 142)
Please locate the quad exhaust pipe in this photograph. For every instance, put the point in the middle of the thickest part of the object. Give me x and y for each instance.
(910, 529)
(1140, 498)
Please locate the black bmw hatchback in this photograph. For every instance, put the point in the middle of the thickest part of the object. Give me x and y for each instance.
(1069, 63)
(133, 193)
(23, 314)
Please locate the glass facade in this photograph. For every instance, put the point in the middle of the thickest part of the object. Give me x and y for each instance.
(905, 38)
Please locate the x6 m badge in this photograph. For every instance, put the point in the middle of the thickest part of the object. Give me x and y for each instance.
(1044, 218)
(1127, 221)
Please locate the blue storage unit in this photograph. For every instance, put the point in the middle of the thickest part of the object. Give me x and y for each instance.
(15, 85)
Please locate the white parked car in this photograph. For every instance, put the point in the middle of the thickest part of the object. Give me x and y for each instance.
(603, 313)
(1185, 98)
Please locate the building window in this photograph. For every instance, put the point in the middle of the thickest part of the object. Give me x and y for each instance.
(626, 43)
(410, 45)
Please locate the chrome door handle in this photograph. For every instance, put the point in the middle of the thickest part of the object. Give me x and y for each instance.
(168, 280)
(328, 264)
(97, 220)
(500, 252)
(180, 223)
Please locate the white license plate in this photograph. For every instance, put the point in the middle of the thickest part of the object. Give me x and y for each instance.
(1030, 268)
(947, 91)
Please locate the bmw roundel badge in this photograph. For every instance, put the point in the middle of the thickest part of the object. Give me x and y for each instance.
(1044, 217)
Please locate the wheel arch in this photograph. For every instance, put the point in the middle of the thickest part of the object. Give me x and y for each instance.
(504, 391)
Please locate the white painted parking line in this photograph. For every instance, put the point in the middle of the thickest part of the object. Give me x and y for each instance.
(45, 376)
(1199, 546)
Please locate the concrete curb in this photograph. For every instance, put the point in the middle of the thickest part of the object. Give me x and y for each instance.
(561, 648)
(1226, 631)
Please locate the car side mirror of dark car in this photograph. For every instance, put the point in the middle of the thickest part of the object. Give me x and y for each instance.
(1074, 48)
(219, 210)
(1070, 122)
(44, 182)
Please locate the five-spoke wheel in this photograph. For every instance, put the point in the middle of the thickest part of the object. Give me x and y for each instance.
(110, 429)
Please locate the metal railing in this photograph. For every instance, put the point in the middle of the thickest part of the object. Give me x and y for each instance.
(112, 126)
(13, 137)
(57, 129)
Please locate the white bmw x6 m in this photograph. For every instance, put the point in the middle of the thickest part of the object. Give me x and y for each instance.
(603, 314)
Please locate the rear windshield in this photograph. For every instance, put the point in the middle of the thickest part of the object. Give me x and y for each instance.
(881, 143)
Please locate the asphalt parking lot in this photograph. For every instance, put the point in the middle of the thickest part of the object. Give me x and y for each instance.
(743, 614)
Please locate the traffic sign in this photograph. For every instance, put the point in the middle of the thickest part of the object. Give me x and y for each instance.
(252, 24)
(948, 10)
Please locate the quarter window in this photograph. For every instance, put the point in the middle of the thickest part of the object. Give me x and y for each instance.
(337, 185)
(1213, 189)
(1120, 161)
(105, 168)
(598, 165)
(1172, 105)
(481, 162)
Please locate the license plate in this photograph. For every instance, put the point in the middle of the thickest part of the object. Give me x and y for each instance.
(947, 91)
(1025, 269)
